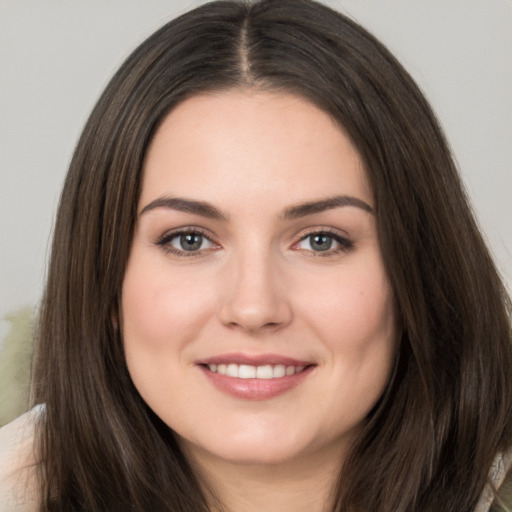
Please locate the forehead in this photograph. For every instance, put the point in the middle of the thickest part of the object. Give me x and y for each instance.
(248, 144)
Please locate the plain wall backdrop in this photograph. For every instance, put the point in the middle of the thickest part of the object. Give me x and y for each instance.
(57, 55)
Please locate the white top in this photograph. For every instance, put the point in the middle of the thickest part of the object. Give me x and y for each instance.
(19, 493)
(18, 490)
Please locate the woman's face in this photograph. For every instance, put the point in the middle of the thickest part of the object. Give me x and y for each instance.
(257, 317)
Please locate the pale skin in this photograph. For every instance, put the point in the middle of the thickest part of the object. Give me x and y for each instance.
(227, 262)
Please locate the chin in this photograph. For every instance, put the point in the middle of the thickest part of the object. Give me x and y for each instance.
(260, 449)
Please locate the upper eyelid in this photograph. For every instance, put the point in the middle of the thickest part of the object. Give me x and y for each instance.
(171, 233)
(329, 230)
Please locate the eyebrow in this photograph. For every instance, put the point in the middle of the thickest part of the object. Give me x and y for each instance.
(310, 208)
(185, 205)
(207, 210)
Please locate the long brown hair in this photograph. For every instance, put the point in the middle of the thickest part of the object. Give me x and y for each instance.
(447, 411)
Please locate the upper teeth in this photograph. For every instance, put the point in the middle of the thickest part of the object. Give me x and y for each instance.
(245, 371)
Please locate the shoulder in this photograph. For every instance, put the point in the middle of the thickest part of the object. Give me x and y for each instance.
(499, 479)
(18, 486)
(503, 470)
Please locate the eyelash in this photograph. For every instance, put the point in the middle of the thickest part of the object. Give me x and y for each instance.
(167, 238)
(344, 244)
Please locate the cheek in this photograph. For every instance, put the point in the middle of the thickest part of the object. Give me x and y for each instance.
(355, 309)
(355, 320)
(158, 305)
(162, 314)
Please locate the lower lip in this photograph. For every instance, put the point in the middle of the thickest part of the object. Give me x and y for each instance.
(255, 389)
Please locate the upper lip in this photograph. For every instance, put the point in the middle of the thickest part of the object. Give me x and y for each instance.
(253, 360)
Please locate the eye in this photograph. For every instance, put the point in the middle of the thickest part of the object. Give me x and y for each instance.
(189, 242)
(324, 242)
(186, 243)
(318, 242)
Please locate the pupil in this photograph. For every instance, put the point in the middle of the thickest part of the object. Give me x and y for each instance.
(191, 241)
(321, 242)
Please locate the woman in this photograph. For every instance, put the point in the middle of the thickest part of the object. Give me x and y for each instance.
(266, 290)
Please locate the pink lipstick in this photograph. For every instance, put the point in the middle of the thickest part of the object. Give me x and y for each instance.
(255, 377)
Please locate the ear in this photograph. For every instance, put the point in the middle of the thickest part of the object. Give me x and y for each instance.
(115, 322)
(114, 316)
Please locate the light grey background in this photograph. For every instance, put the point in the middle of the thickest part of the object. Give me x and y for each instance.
(57, 55)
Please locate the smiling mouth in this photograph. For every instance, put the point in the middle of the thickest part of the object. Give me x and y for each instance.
(255, 377)
(264, 372)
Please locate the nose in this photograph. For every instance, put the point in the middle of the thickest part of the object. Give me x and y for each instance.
(255, 298)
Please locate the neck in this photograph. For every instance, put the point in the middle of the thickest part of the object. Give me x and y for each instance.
(304, 485)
